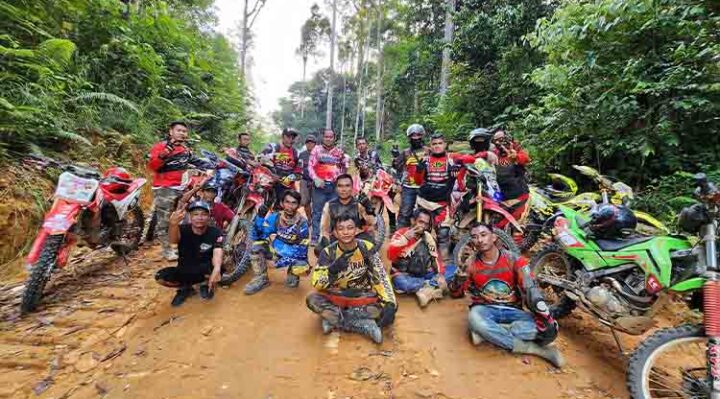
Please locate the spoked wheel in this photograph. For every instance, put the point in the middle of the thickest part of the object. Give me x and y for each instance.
(551, 263)
(671, 363)
(463, 249)
(237, 261)
(131, 232)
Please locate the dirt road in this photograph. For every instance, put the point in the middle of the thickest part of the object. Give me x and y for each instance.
(108, 330)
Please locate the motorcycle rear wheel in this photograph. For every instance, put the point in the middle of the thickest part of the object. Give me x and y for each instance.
(560, 304)
(463, 248)
(41, 271)
(237, 261)
(671, 363)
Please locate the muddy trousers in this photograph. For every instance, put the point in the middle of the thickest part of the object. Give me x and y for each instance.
(174, 277)
(406, 283)
(501, 325)
(408, 197)
(336, 315)
(164, 200)
(320, 196)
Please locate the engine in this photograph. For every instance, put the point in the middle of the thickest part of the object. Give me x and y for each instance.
(621, 294)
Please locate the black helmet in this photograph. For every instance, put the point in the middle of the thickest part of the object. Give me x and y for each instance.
(210, 185)
(415, 128)
(479, 139)
(609, 220)
(693, 217)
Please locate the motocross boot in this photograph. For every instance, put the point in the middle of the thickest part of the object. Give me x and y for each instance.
(366, 327)
(427, 293)
(549, 353)
(260, 281)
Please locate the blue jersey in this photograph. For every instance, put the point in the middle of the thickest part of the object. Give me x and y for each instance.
(288, 243)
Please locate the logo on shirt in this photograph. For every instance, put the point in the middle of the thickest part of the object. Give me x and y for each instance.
(205, 247)
(497, 290)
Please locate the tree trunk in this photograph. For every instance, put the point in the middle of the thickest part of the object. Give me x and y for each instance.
(243, 39)
(302, 93)
(328, 117)
(342, 118)
(447, 40)
(362, 68)
(378, 106)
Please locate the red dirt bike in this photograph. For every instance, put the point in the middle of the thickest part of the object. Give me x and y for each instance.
(258, 190)
(102, 210)
(378, 189)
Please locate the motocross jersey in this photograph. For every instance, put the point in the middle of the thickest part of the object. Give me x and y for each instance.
(288, 242)
(367, 164)
(326, 163)
(403, 253)
(437, 175)
(363, 271)
(407, 163)
(169, 168)
(285, 159)
(498, 284)
(511, 175)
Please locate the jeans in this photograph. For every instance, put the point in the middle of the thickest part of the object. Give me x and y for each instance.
(408, 284)
(320, 196)
(500, 325)
(165, 200)
(408, 197)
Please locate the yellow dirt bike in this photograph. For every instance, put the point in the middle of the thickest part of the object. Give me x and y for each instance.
(544, 203)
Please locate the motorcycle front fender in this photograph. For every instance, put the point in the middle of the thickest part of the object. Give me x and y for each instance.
(691, 284)
(491, 205)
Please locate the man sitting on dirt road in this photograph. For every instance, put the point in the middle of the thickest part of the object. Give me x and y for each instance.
(354, 291)
(497, 282)
(287, 232)
(221, 214)
(169, 159)
(345, 203)
(416, 266)
(200, 249)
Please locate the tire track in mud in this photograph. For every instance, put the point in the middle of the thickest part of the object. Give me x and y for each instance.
(107, 329)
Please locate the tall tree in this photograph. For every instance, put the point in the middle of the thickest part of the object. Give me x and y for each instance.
(447, 40)
(312, 34)
(379, 88)
(249, 17)
(328, 117)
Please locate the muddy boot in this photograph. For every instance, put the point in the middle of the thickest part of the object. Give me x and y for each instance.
(327, 327)
(427, 293)
(292, 281)
(366, 327)
(549, 353)
(476, 338)
(260, 280)
(205, 292)
(181, 295)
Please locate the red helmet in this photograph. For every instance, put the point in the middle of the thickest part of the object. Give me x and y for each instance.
(116, 180)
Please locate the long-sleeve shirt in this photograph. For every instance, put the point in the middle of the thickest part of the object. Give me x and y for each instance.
(502, 283)
(169, 166)
(327, 163)
(288, 242)
(363, 272)
(402, 247)
(406, 164)
(436, 175)
(285, 159)
(511, 175)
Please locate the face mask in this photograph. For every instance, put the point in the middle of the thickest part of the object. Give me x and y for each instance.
(416, 144)
(480, 145)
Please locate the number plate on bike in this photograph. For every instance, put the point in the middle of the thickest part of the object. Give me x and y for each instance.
(75, 189)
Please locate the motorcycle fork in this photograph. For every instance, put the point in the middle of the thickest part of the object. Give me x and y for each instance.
(711, 311)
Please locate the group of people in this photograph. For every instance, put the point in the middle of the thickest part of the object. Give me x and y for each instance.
(354, 290)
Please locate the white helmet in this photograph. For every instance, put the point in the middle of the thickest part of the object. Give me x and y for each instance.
(415, 128)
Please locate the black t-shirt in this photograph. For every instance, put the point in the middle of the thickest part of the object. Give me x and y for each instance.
(195, 251)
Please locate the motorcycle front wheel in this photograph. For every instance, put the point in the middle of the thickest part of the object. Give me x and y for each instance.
(131, 233)
(671, 363)
(237, 261)
(40, 274)
(552, 261)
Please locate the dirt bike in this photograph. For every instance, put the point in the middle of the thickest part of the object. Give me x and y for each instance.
(475, 199)
(684, 361)
(377, 190)
(259, 190)
(544, 203)
(102, 210)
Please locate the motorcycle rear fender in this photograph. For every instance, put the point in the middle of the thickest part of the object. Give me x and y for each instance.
(491, 205)
(124, 204)
(651, 220)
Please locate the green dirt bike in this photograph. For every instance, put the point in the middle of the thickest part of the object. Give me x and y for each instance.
(544, 202)
(620, 282)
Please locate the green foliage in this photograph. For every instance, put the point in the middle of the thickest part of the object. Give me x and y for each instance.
(73, 67)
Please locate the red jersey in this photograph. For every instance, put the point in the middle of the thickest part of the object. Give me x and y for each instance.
(497, 284)
(402, 247)
(169, 166)
(221, 213)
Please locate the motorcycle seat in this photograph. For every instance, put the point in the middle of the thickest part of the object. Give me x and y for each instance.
(617, 244)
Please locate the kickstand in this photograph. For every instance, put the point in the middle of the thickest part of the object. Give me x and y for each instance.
(618, 343)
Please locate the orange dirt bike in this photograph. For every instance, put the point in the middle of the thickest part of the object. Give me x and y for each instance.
(101, 209)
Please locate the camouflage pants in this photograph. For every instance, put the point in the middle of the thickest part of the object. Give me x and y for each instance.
(165, 201)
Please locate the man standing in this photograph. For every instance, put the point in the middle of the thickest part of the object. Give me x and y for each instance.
(354, 291)
(169, 159)
(416, 266)
(345, 203)
(200, 257)
(406, 163)
(326, 163)
(497, 281)
(286, 162)
(366, 161)
(306, 185)
(437, 173)
(286, 232)
(511, 174)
